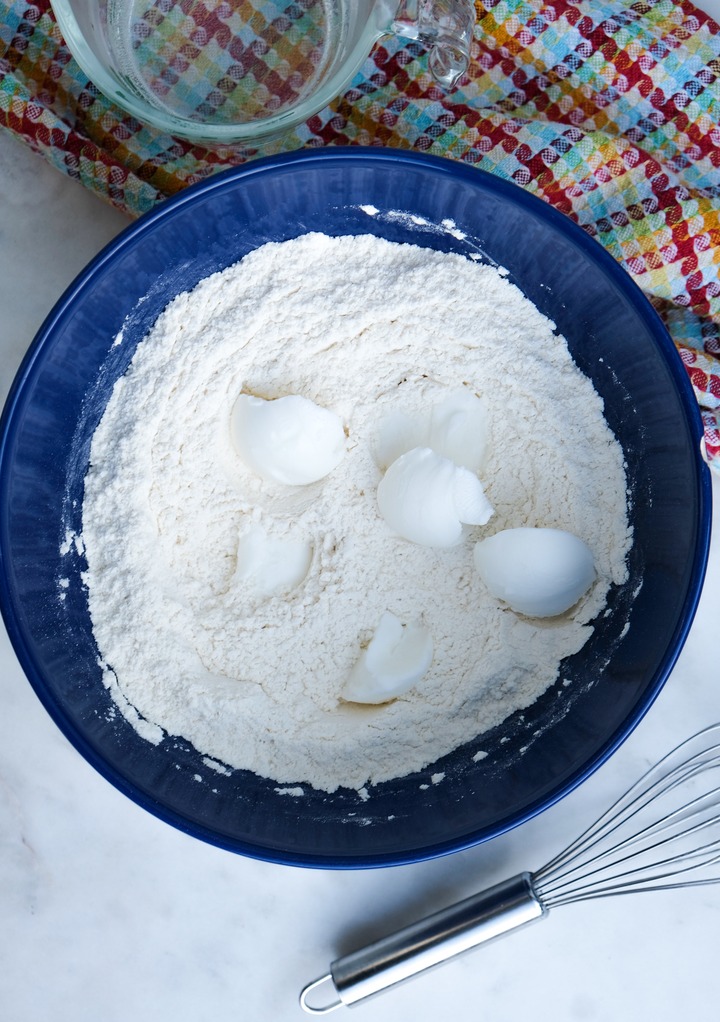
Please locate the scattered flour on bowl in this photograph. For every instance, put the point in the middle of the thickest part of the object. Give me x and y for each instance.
(365, 328)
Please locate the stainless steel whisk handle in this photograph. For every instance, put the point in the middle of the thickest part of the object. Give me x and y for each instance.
(429, 942)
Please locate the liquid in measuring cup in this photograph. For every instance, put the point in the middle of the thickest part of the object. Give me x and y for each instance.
(225, 61)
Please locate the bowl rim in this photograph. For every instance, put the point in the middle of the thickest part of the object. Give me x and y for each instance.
(336, 157)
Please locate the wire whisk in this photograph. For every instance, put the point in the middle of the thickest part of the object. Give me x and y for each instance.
(662, 834)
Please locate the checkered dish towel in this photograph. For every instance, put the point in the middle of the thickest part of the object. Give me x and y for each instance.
(608, 110)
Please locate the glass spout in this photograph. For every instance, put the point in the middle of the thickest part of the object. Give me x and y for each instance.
(446, 28)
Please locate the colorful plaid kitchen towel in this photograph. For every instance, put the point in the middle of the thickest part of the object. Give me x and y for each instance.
(608, 110)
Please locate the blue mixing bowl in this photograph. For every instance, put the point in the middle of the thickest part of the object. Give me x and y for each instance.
(615, 337)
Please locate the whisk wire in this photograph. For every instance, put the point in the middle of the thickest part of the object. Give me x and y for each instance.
(626, 807)
(672, 866)
(649, 835)
(674, 825)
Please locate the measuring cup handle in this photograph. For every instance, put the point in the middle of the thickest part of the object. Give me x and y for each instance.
(446, 28)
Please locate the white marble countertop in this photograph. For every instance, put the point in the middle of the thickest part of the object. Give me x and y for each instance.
(109, 914)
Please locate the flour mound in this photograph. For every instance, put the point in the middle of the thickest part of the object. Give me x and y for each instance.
(365, 328)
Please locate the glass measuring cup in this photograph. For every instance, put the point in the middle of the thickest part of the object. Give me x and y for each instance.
(227, 71)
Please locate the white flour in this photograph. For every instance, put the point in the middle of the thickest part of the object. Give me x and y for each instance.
(361, 327)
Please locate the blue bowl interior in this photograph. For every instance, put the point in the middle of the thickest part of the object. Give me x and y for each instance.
(616, 339)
